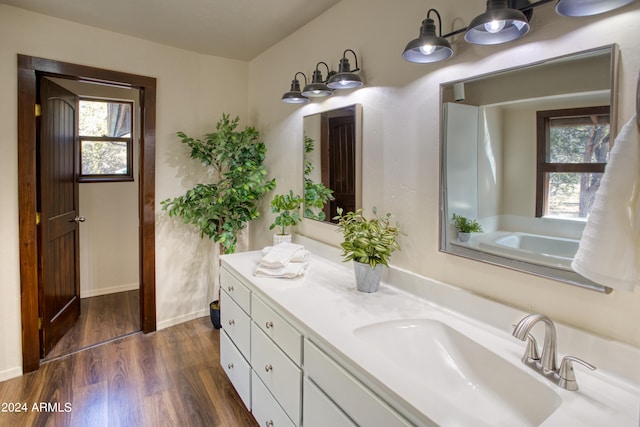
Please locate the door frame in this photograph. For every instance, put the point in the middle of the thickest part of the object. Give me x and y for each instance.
(30, 69)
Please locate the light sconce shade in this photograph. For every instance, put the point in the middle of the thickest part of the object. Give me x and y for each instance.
(317, 88)
(499, 24)
(428, 47)
(345, 78)
(294, 96)
(588, 7)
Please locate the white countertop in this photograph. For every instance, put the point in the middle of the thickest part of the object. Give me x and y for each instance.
(326, 303)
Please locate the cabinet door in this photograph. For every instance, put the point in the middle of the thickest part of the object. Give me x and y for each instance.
(236, 290)
(353, 397)
(265, 408)
(278, 329)
(281, 376)
(319, 411)
(236, 368)
(236, 323)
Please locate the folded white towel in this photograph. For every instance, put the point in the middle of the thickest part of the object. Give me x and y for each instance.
(289, 271)
(280, 255)
(609, 251)
(301, 255)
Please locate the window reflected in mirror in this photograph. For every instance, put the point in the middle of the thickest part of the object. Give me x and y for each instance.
(523, 151)
(332, 162)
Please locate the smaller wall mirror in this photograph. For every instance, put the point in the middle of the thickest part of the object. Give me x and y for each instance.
(522, 153)
(332, 162)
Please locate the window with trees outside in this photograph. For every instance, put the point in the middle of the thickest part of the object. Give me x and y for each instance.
(106, 140)
(573, 150)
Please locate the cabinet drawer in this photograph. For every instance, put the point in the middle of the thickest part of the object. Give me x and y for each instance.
(356, 400)
(236, 323)
(281, 376)
(236, 368)
(236, 290)
(265, 409)
(278, 329)
(319, 411)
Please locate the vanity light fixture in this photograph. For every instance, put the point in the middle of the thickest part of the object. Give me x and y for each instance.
(345, 78)
(499, 24)
(588, 7)
(294, 96)
(318, 87)
(428, 47)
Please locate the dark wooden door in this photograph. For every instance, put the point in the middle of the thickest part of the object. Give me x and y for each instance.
(342, 154)
(59, 287)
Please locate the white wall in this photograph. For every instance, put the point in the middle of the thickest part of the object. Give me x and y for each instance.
(401, 141)
(193, 91)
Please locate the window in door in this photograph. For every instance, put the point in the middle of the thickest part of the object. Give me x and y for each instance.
(106, 140)
(573, 150)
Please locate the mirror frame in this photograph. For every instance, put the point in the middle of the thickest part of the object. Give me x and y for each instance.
(358, 154)
(563, 276)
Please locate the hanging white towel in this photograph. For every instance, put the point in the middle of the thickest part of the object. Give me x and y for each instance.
(609, 252)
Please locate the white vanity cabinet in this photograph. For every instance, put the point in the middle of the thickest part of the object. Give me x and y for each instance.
(345, 395)
(235, 337)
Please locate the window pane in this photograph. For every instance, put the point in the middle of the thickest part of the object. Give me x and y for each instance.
(571, 195)
(104, 157)
(578, 143)
(99, 118)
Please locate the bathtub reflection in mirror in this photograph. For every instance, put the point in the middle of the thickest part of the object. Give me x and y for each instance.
(332, 162)
(502, 165)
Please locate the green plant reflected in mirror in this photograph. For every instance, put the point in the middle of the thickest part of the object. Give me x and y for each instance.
(332, 162)
(522, 151)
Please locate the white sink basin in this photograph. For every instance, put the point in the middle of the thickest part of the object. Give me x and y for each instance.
(482, 384)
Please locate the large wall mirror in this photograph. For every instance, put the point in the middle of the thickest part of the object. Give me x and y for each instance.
(332, 162)
(522, 153)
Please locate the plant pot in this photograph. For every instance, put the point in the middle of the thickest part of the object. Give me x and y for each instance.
(463, 237)
(367, 278)
(214, 313)
(281, 238)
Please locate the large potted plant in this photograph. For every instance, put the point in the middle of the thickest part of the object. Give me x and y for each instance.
(287, 206)
(369, 243)
(465, 227)
(222, 208)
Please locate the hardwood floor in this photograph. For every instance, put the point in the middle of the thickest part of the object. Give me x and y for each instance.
(171, 377)
(102, 318)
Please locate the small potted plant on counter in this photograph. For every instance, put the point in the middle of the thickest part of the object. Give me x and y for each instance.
(287, 206)
(369, 243)
(465, 227)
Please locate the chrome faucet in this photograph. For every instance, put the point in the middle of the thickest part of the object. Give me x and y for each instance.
(547, 365)
(521, 332)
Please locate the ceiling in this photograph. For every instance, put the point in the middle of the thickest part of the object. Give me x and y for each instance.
(236, 29)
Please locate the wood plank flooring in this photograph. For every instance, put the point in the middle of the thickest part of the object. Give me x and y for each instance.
(171, 377)
(102, 318)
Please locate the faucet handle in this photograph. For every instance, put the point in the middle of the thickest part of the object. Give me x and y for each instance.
(531, 352)
(567, 375)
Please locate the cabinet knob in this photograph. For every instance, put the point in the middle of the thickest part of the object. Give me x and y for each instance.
(269, 423)
(232, 322)
(230, 366)
(269, 325)
(230, 288)
(268, 368)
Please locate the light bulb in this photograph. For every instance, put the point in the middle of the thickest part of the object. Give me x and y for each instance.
(494, 26)
(344, 82)
(427, 49)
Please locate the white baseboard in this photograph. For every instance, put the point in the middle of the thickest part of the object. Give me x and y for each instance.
(105, 291)
(181, 319)
(10, 373)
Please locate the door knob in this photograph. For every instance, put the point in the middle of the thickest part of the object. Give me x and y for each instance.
(79, 219)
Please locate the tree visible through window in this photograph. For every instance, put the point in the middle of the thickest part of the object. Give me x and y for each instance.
(573, 150)
(106, 142)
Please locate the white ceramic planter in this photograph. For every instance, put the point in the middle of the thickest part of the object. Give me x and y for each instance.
(281, 238)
